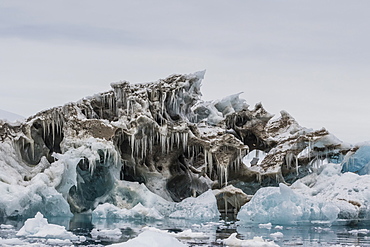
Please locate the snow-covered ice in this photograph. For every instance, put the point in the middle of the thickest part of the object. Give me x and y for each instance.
(39, 227)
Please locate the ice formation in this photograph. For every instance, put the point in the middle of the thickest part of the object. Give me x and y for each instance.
(137, 202)
(328, 197)
(39, 227)
(157, 150)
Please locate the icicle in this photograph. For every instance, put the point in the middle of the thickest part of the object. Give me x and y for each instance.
(163, 143)
(32, 145)
(226, 175)
(225, 201)
(206, 160)
(128, 107)
(167, 144)
(221, 171)
(178, 139)
(210, 163)
(259, 177)
(43, 129)
(163, 98)
(132, 144)
(296, 165)
(53, 129)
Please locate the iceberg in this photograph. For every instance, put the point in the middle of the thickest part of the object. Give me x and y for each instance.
(156, 151)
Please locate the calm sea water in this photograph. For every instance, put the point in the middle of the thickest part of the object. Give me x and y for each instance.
(303, 235)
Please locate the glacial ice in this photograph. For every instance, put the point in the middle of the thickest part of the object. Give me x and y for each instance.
(136, 201)
(203, 208)
(358, 161)
(18, 200)
(327, 197)
(155, 150)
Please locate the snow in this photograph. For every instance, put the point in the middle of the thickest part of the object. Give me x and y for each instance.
(38, 227)
(150, 238)
(232, 240)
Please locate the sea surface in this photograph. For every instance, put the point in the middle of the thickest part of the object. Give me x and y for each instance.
(343, 234)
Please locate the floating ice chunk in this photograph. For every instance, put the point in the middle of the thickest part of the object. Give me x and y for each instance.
(255, 242)
(60, 242)
(360, 231)
(3, 226)
(114, 234)
(150, 238)
(39, 227)
(14, 242)
(267, 226)
(186, 234)
(279, 227)
(277, 235)
(204, 207)
(108, 210)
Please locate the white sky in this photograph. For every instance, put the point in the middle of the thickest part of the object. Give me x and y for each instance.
(308, 57)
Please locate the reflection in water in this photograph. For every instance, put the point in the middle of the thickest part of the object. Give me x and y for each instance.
(301, 235)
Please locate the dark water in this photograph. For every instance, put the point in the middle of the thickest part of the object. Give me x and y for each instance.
(302, 235)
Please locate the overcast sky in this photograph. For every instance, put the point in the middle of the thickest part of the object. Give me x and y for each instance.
(308, 57)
